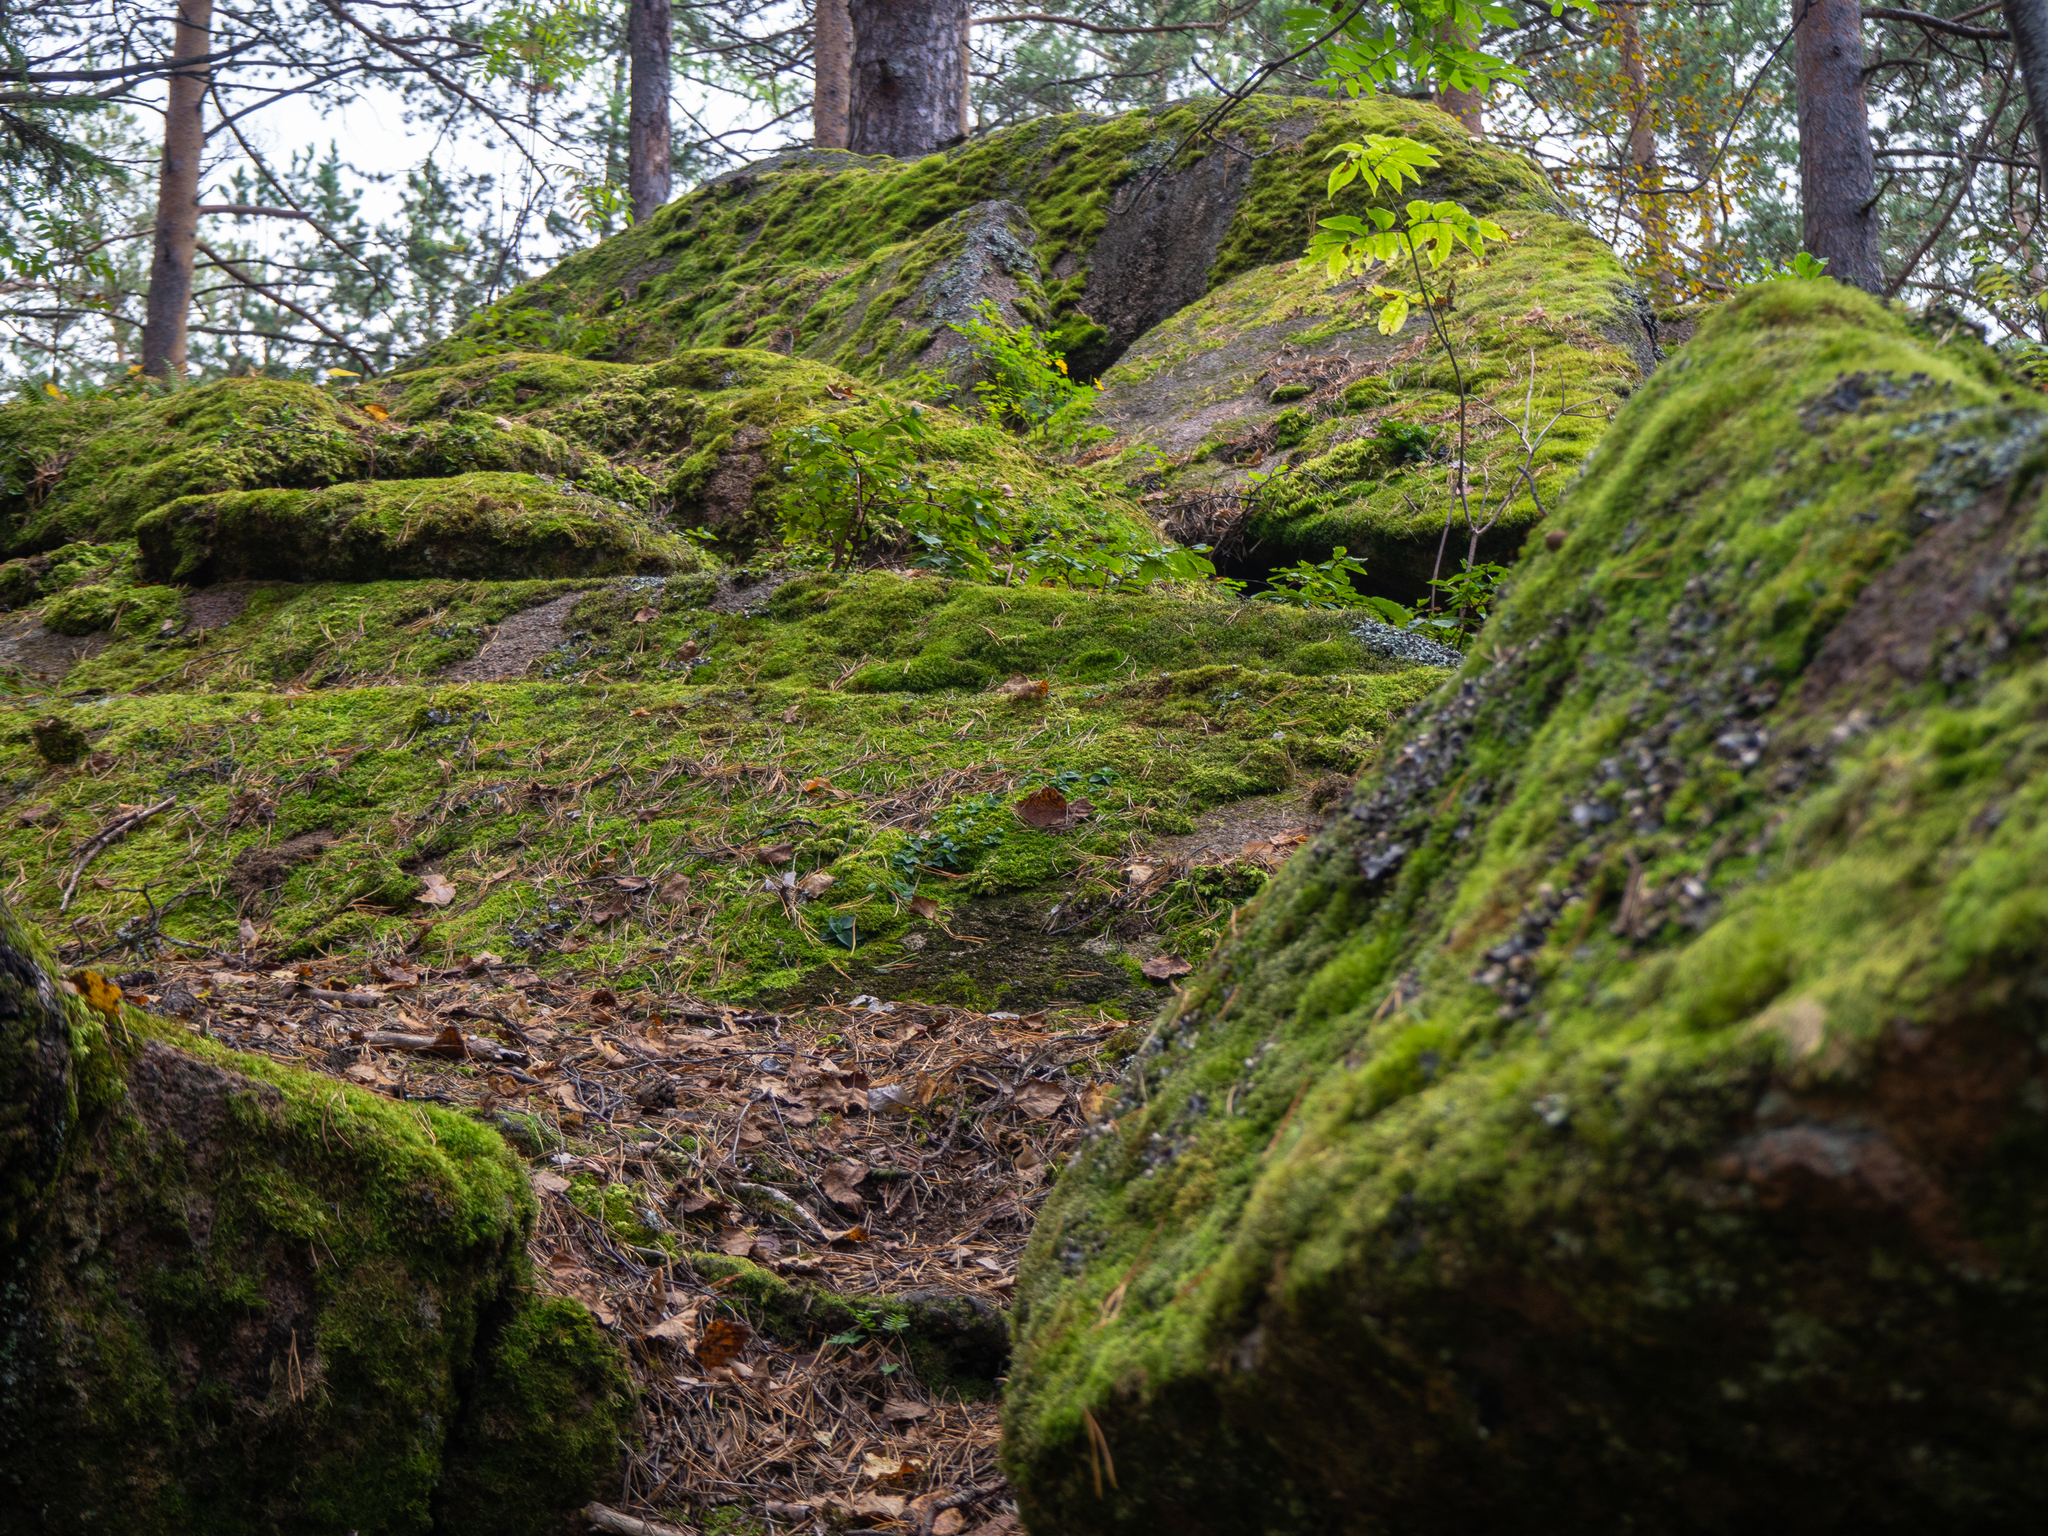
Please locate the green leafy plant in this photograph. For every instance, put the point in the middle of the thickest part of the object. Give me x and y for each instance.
(1027, 389)
(1804, 267)
(859, 491)
(1467, 598)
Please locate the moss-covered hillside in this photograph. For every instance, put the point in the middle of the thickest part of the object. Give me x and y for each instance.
(849, 261)
(1630, 1113)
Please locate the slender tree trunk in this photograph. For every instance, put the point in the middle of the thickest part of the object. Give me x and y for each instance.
(169, 305)
(1468, 107)
(2027, 20)
(832, 65)
(966, 75)
(649, 39)
(907, 79)
(1644, 175)
(1837, 175)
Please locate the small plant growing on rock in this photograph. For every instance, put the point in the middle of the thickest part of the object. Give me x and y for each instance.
(1027, 390)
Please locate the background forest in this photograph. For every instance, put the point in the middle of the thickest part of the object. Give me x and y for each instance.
(1670, 129)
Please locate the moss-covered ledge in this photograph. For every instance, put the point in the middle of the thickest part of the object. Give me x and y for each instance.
(1631, 1115)
(240, 1298)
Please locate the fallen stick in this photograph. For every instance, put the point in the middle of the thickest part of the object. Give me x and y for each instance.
(611, 1520)
(100, 840)
(442, 1045)
(960, 1500)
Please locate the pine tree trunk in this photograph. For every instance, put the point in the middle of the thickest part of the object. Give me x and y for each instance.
(907, 75)
(649, 34)
(832, 66)
(1642, 148)
(168, 308)
(1837, 176)
(1468, 107)
(2027, 20)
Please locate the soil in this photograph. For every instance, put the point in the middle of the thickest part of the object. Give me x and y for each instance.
(1220, 835)
(993, 954)
(43, 657)
(212, 607)
(519, 642)
(258, 869)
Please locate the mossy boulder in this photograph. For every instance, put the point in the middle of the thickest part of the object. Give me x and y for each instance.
(1630, 1114)
(240, 1298)
(480, 525)
(1132, 217)
(1273, 419)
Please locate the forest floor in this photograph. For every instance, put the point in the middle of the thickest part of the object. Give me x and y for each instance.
(706, 1173)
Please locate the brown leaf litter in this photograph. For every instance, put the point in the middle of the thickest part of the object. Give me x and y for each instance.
(866, 1150)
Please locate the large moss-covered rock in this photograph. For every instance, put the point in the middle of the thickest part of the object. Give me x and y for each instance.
(1630, 1115)
(820, 252)
(1273, 419)
(239, 1298)
(472, 525)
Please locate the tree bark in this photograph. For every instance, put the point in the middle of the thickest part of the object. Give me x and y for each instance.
(907, 75)
(832, 66)
(2027, 21)
(1644, 175)
(1468, 107)
(1837, 174)
(649, 40)
(169, 305)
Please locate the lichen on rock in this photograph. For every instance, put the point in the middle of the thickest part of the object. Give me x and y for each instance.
(1631, 1111)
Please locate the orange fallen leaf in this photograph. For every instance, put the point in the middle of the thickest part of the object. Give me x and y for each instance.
(376, 413)
(1021, 687)
(724, 1341)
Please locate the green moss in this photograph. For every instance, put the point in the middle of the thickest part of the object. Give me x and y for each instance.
(1533, 1117)
(479, 525)
(1548, 343)
(541, 1427)
(254, 1299)
(823, 253)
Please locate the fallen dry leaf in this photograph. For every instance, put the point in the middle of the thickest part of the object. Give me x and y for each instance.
(776, 853)
(1041, 1101)
(440, 890)
(1164, 967)
(646, 615)
(724, 1341)
(925, 908)
(840, 1180)
(376, 412)
(1021, 687)
(1045, 809)
(903, 1410)
(816, 883)
(736, 1241)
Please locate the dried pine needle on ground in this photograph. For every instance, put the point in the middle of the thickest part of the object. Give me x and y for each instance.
(802, 1227)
